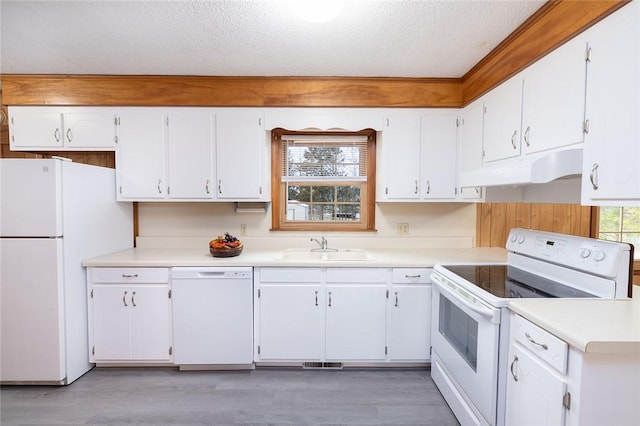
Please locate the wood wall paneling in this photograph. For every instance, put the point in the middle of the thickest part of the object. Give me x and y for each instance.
(495, 220)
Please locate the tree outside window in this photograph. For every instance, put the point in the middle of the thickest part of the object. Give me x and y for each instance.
(620, 224)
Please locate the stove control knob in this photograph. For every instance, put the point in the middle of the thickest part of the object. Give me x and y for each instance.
(520, 239)
(599, 256)
(585, 252)
(514, 237)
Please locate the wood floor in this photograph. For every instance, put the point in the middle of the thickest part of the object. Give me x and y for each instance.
(151, 396)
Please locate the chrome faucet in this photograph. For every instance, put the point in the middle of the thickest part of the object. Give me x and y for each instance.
(322, 242)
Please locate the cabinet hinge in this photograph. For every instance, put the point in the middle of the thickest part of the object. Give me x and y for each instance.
(166, 120)
(116, 121)
(169, 293)
(115, 138)
(457, 122)
(258, 349)
(258, 298)
(170, 350)
(566, 401)
(483, 153)
(387, 294)
(587, 55)
(585, 127)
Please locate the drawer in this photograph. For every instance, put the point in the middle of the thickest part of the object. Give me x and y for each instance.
(411, 275)
(129, 275)
(542, 343)
(357, 275)
(290, 275)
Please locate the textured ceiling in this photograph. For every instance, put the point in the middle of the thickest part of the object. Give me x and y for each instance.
(374, 38)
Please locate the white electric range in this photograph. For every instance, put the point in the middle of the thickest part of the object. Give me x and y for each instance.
(470, 322)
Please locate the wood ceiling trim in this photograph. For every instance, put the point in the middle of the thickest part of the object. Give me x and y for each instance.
(553, 24)
(229, 91)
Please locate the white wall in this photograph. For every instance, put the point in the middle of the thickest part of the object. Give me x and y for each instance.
(430, 224)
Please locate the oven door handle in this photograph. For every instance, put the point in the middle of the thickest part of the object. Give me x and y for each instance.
(480, 310)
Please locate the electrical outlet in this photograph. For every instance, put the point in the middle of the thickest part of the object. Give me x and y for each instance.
(243, 229)
(403, 229)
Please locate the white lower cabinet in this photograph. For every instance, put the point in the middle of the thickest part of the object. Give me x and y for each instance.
(129, 315)
(552, 383)
(409, 317)
(341, 315)
(288, 316)
(356, 314)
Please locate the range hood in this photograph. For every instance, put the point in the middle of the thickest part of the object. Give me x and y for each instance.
(526, 170)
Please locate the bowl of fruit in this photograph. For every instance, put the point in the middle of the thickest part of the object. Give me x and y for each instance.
(227, 246)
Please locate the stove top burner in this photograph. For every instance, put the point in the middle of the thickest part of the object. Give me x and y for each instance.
(508, 282)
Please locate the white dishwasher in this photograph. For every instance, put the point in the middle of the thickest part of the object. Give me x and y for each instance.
(212, 317)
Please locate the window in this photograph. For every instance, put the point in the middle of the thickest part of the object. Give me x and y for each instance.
(323, 181)
(620, 224)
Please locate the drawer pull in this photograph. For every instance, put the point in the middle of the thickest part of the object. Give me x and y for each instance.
(129, 275)
(513, 364)
(412, 276)
(530, 339)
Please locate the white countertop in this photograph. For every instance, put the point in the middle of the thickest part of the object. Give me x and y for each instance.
(410, 258)
(590, 325)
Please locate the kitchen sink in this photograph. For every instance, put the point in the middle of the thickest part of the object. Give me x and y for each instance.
(329, 255)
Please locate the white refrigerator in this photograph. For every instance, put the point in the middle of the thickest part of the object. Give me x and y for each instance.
(53, 215)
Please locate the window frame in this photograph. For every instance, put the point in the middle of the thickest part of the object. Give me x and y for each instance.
(279, 221)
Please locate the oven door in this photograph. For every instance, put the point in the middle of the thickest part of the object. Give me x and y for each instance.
(465, 338)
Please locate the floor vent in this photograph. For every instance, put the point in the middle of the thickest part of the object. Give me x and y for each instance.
(322, 365)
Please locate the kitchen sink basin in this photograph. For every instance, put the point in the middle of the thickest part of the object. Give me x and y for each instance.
(330, 255)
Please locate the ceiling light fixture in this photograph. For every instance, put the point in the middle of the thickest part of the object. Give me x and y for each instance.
(317, 11)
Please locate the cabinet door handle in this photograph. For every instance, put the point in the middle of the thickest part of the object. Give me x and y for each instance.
(593, 176)
(526, 136)
(316, 298)
(124, 299)
(206, 186)
(513, 139)
(542, 345)
(69, 135)
(513, 364)
(220, 186)
(329, 299)
(159, 186)
(56, 135)
(428, 187)
(396, 293)
(133, 299)
(416, 190)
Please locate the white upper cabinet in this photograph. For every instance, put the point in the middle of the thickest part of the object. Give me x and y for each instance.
(611, 166)
(70, 128)
(502, 121)
(190, 135)
(470, 145)
(539, 109)
(418, 156)
(400, 157)
(241, 149)
(140, 155)
(439, 145)
(553, 99)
